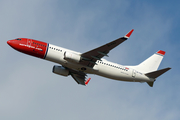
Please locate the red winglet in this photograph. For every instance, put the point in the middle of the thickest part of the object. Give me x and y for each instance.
(161, 52)
(87, 81)
(129, 34)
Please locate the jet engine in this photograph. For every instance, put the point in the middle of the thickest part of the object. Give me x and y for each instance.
(72, 57)
(60, 70)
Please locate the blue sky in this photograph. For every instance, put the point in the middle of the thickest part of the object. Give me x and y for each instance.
(29, 90)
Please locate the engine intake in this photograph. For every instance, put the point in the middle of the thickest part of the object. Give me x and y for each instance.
(72, 57)
(60, 70)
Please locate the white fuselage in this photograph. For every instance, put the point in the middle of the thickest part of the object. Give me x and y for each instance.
(103, 68)
(78, 65)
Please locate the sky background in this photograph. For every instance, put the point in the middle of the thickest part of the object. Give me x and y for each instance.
(30, 91)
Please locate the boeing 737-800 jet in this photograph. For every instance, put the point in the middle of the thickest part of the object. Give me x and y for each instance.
(78, 65)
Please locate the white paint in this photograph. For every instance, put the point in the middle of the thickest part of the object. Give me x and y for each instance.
(103, 68)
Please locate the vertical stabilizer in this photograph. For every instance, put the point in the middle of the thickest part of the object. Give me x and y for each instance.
(152, 63)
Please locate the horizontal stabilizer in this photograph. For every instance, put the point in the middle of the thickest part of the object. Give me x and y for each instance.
(157, 73)
(150, 84)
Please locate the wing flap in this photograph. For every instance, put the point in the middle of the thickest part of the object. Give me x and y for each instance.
(80, 79)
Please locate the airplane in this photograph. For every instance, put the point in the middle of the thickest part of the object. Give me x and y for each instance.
(78, 65)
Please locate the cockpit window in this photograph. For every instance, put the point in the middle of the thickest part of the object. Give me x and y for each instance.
(18, 39)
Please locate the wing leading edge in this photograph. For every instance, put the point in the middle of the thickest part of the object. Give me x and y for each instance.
(89, 58)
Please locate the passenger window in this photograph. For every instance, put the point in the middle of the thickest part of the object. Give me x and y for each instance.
(18, 39)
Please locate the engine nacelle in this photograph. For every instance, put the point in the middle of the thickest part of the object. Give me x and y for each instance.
(60, 70)
(72, 57)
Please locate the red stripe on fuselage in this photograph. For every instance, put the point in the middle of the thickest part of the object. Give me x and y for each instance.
(29, 46)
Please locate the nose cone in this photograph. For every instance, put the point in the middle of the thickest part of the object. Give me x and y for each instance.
(9, 42)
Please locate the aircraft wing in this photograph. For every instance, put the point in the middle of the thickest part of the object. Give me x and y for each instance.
(79, 77)
(89, 58)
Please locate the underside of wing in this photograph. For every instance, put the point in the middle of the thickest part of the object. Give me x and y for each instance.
(89, 58)
(79, 77)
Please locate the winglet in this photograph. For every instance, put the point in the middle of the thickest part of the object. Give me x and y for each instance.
(87, 81)
(129, 34)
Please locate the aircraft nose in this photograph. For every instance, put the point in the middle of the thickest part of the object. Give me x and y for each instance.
(9, 42)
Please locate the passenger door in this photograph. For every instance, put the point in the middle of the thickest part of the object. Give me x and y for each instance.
(134, 73)
(29, 43)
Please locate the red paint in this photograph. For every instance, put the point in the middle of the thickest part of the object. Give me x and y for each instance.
(126, 68)
(87, 81)
(161, 52)
(129, 34)
(29, 46)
